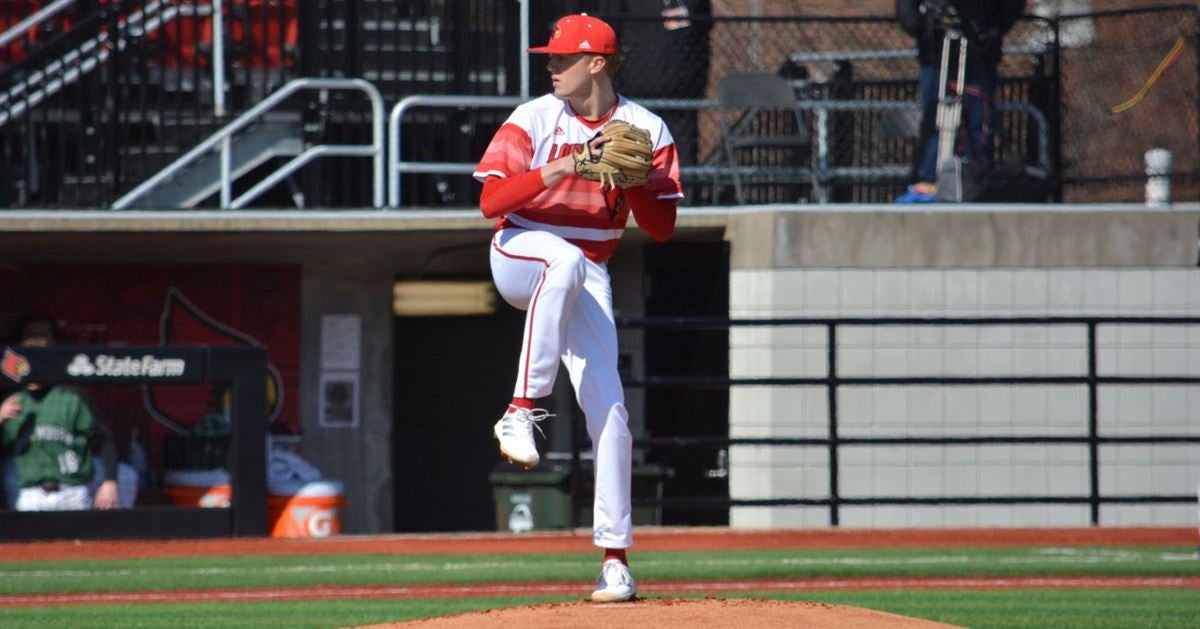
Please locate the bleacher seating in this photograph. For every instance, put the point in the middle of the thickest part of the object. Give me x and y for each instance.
(11, 14)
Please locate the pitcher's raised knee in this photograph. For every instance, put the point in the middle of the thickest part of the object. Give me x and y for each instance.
(569, 265)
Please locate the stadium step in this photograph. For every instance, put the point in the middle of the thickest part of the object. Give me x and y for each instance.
(279, 135)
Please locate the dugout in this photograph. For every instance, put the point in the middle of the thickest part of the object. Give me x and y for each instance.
(239, 367)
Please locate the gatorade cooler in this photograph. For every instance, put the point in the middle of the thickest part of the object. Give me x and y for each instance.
(198, 488)
(306, 510)
(215, 497)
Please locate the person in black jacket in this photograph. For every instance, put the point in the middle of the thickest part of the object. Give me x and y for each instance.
(982, 24)
(672, 63)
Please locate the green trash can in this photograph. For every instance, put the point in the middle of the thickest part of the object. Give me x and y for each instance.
(540, 499)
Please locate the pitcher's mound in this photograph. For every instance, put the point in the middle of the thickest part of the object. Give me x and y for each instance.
(660, 613)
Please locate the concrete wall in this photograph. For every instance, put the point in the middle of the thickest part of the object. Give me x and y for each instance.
(1086, 261)
(361, 458)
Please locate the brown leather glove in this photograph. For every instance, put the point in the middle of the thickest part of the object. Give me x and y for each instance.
(623, 162)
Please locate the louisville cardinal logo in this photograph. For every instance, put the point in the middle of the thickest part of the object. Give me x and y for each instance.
(14, 365)
(184, 323)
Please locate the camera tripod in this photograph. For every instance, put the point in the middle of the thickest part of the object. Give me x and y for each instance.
(949, 117)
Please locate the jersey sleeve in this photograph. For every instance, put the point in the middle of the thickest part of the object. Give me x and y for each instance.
(664, 182)
(503, 195)
(656, 216)
(509, 153)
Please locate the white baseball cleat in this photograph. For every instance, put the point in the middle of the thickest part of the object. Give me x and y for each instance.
(615, 583)
(514, 431)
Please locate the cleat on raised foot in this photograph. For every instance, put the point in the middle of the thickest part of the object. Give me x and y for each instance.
(615, 583)
(514, 431)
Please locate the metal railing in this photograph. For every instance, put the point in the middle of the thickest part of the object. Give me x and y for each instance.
(225, 134)
(396, 164)
(833, 381)
(896, 54)
(34, 20)
(88, 56)
(825, 173)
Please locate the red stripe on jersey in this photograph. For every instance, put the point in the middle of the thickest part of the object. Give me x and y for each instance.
(596, 251)
(550, 217)
(509, 152)
(664, 176)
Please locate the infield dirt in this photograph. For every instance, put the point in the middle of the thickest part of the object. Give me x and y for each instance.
(664, 613)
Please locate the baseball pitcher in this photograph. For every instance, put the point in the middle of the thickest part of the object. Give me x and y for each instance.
(562, 175)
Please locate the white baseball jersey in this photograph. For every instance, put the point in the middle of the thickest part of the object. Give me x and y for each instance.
(574, 208)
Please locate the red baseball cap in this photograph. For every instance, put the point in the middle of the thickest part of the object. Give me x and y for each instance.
(580, 33)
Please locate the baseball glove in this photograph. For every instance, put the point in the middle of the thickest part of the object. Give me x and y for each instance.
(624, 161)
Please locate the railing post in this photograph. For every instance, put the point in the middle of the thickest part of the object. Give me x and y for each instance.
(218, 38)
(834, 497)
(524, 36)
(113, 125)
(218, 59)
(822, 191)
(1093, 427)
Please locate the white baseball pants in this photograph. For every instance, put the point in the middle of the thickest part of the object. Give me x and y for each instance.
(67, 498)
(568, 304)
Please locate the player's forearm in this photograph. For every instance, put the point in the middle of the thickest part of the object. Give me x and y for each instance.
(554, 171)
(502, 195)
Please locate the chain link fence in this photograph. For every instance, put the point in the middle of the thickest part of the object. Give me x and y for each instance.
(854, 78)
(1054, 115)
(862, 149)
(1108, 59)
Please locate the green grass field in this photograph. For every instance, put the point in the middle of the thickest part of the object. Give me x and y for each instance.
(1059, 608)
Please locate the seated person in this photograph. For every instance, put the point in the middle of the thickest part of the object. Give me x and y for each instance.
(52, 438)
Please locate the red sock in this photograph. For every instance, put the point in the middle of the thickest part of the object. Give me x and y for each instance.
(523, 402)
(615, 553)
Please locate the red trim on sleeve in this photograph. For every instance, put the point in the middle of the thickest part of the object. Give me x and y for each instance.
(502, 195)
(664, 177)
(655, 216)
(509, 152)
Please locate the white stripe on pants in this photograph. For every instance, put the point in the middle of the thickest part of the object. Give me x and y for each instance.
(568, 303)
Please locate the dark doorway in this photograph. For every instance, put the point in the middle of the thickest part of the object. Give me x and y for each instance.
(689, 279)
(453, 377)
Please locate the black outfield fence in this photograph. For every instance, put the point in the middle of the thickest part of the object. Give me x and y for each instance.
(835, 444)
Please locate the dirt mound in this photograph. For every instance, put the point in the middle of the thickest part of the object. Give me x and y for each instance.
(661, 613)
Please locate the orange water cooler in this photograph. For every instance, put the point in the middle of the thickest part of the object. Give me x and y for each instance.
(311, 509)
